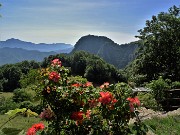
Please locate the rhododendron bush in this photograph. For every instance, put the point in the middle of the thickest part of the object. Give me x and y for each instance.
(78, 108)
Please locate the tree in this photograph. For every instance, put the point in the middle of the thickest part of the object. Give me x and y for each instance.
(98, 72)
(12, 74)
(160, 50)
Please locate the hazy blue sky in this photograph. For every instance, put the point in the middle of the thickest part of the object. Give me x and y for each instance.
(52, 21)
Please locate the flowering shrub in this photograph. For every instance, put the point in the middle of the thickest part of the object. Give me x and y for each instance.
(133, 102)
(77, 107)
(35, 128)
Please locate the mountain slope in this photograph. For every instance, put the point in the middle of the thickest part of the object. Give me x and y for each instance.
(113, 53)
(42, 47)
(14, 55)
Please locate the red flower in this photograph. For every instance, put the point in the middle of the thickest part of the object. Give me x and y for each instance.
(133, 102)
(88, 84)
(77, 115)
(35, 128)
(31, 131)
(54, 76)
(76, 85)
(56, 62)
(105, 85)
(106, 97)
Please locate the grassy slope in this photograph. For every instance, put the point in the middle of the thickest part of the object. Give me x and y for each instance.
(165, 126)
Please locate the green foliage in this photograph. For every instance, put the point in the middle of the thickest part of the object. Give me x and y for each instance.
(90, 66)
(21, 95)
(148, 101)
(159, 53)
(16, 111)
(10, 74)
(97, 72)
(7, 104)
(158, 87)
(175, 85)
(29, 78)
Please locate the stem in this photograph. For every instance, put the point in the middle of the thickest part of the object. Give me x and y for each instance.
(8, 121)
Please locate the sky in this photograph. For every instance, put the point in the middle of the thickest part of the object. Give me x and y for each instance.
(66, 21)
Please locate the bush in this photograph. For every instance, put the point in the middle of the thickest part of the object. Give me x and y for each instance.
(26, 104)
(148, 101)
(175, 85)
(77, 107)
(21, 95)
(158, 87)
(7, 104)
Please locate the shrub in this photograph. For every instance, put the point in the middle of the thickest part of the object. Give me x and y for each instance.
(158, 87)
(175, 85)
(7, 104)
(148, 101)
(26, 104)
(21, 95)
(77, 107)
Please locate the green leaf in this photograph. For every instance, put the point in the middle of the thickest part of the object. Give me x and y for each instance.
(31, 113)
(16, 111)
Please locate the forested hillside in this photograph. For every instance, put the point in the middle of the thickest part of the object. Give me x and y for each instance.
(113, 53)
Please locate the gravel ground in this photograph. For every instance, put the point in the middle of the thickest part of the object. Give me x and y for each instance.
(148, 113)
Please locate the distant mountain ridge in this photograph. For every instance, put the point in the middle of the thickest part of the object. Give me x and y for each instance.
(42, 47)
(111, 52)
(14, 55)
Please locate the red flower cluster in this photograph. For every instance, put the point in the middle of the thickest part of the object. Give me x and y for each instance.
(76, 85)
(77, 115)
(88, 84)
(56, 62)
(35, 128)
(54, 76)
(107, 98)
(105, 85)
(133, 102)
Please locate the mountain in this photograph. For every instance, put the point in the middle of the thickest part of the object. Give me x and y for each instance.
(42, 47)
(111, 52)
(14, 55)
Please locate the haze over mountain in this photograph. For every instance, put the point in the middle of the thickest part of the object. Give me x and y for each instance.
(111, 52)
(14, 55)
(42, 47)
(15, 50)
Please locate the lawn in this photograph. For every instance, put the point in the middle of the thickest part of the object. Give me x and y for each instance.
(165, 126)
(19, 122)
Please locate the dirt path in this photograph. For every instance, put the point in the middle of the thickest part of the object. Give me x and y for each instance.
(148, 113)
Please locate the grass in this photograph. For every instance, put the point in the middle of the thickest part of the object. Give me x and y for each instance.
(6, 94)
(19, 122)
(165, 126)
